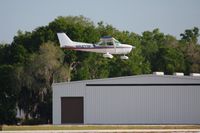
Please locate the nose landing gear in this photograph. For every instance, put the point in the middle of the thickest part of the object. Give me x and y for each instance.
(124, 57)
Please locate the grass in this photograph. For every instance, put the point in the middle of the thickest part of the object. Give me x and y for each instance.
(96, 127)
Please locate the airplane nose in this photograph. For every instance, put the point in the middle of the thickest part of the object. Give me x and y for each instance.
(129, 46)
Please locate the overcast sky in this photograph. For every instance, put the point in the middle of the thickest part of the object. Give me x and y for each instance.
(170, 16)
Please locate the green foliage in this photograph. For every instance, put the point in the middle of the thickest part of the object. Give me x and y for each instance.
(9, 90)
(192, 57)
(169, 60)
(150, 44)
(93, 68)
(190, 35)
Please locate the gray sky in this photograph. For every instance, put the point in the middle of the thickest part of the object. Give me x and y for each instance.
(170, 16)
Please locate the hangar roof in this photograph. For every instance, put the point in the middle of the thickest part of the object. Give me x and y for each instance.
(140, 79)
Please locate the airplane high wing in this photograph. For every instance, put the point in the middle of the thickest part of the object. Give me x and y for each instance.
(107, 45)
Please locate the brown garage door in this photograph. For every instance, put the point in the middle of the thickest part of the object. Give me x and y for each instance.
(71, 110)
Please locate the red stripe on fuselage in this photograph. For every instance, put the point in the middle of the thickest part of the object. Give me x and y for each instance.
(73, 48)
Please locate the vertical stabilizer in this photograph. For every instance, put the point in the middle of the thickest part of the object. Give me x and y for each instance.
(64, 40)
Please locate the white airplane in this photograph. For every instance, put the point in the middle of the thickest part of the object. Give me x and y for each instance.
(107, 45)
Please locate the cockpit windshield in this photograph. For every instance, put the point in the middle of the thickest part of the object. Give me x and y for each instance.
(117, 43)
(108, 41)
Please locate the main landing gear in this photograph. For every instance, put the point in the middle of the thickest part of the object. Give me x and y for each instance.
(107, 55)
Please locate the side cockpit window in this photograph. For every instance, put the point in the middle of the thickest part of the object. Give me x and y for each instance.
(108, 41)
(101, 43)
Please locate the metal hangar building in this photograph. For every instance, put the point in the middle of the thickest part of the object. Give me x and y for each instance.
(142, 99)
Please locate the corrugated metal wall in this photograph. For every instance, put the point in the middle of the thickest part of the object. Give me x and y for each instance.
(143, 105)
(133, 104)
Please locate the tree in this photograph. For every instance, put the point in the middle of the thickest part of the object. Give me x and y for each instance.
(17, 54)
(169, 60)
(9, 89)
(188, 45)
(38, 77)
(2, 53)
(149, 46)
(94, 67)
(190, 35)
(192, 58)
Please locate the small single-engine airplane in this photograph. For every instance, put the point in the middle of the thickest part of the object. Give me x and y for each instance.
(107, 45)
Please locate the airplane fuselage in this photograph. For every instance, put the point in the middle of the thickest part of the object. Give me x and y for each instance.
(79, 46)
